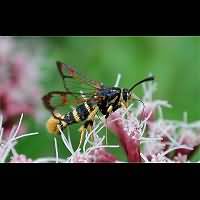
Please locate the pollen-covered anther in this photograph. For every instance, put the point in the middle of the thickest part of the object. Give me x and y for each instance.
(52, 124)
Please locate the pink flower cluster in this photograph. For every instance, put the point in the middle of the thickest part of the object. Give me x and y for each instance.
(7, 145)
(8, 152)
(154, 139)
(20, 159)
(99, 155)
(19, 77)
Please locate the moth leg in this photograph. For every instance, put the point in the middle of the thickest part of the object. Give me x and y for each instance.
(89, 122)
(82, 132)
(92, 114)
(109, 111)
(124, 104)
(89, 129)
(88, 125)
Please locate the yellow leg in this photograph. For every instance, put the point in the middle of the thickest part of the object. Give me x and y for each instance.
(110, 108)
(124, 104)
(89, 129)
(92, 114)
(91, 118)
(82, 131)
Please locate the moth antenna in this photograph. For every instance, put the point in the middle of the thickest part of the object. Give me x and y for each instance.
(151, 78)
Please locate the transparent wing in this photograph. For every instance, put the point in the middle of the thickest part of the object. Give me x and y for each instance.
(58, 101)
(74, 82)
(78, 89)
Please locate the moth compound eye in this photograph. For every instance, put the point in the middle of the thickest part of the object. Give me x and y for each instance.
(125, 94)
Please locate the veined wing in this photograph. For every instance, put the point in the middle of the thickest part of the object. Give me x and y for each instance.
(76, 83)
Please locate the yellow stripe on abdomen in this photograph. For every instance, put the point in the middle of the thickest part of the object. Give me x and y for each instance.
(75, 114)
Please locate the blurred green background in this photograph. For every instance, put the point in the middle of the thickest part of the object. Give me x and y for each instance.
(174, 61)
